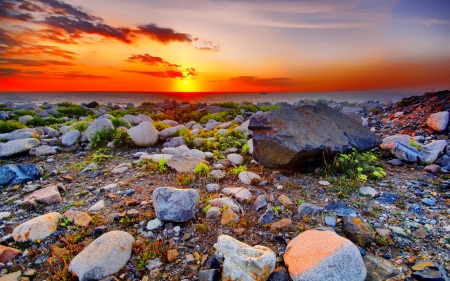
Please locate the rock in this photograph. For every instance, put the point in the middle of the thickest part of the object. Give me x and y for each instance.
(8, 253)
(379, 269)
(330, 221)
(25, 119)
(175, 150)
(15, 276)
(341, 209)
(329, 131)
(209, 275)
(433, 168)
(44, 150)
(195, 153)
(38, 228)
(144, 118)
(368, 191)
(47, 195)
(184, 164)
(229, 216)
(218, 174)
(323, 255)
(133, 119)
(13, 147)
(243, 262)
(260, 202)
(282, 225)
(398, 230)
(309, 209)
(430, 152)
(157, 157)
(169, 132)
(19, 134)
(438, 121)
(103, 257)
(144, 134)
(174, 142)
(427, 270)
(420, 233)
(415, 209)
(235, 159)
(154, 224)
(213, 213)
(428, 202)
(389, 198)
(4, 215)
(247, 177)
(212, 187)
(219, 202)
(358, 231)
(174, 204)
(98, 125)
(284, 200)
(97, 206)
(152, 264)
(267, 217)
(122, 168)
(15, 174)
(78, 218)
(395, 162)
(241, 194)
(172, 255)
(70, 138)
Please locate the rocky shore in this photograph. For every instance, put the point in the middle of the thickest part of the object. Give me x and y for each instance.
(317, 190)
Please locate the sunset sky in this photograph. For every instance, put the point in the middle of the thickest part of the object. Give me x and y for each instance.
(224, 45)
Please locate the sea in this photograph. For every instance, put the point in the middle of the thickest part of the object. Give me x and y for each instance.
(137, 98)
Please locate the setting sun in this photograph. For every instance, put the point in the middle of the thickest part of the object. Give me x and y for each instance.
(186, 83)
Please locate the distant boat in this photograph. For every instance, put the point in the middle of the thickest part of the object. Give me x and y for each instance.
(263, 93)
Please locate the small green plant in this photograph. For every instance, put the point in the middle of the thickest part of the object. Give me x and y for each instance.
(201, 169)
(206, 198)
(206, 208)
(276, 208)
(10, 125)
(265, 108)
(82, 126)
(99, 156)
(160, 125)
(102, 137)
(203, 228)
(122, 139)
(142, 260)
(65, 222)
(184, 179)
(233, 224)
(381, 240)
(245, 148)
(300, 201)
(162, 167)
(219, 117)
(223, 208)
(71, 110)
(119, 122)
(237, 169)
(415, 144)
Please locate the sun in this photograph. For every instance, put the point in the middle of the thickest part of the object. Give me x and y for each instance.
(186, 83)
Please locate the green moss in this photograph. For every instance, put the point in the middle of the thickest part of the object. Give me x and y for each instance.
(201, 168)
(265, 108)
(122, 139)
(10, 125)
(220, 117)
(160, 125)
(119, 122)
(74, 110)
(39, 121)
(415, 144)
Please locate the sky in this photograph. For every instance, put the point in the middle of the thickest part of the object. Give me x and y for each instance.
(224, 45)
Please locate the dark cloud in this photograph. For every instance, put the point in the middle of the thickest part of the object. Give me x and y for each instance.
(151, 60)
(8, 11)
(8, 71)
(162, 34)
(61, 8)
(37, 63)
(76, 27)
(38, 50)
(71, 75)
(30, 7)
(160, 74)
(268, 82)
(7, 39)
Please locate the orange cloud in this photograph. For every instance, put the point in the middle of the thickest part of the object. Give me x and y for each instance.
(151, 60)
(160, 74)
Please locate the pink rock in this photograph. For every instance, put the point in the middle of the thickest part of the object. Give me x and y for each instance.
(7, 253)
(433, 168)
(47, 195)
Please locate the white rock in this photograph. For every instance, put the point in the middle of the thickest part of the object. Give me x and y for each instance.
(243, 262)
(153, 224)
(38, 228)
(103, 257)
(122, 168)
(98, 125)
(175, 150)
(18, 146)
(45, 150)
(368, 191)
(97, 206)
(250, 146)
(195, 153)
(25, 119)
(144, 134)
(69, 138)
(438, 121)
(235, 159)
(240, 193)
(246, 177)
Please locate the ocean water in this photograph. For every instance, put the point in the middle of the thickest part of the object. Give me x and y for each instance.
(138, 97)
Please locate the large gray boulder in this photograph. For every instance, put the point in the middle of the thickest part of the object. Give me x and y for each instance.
(173, 204)
(13, 147)
(19, 134)
(69, 138)
(15, 174)
(323, 255)
(294, 136)
(144, 135)
(99, 124)
(103, 257)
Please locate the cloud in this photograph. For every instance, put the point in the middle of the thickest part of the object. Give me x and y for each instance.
(7, 11)
(8, 71)
(30, 7)
(61, 8)
(37, 63)
(267, 82)
(160, 74)
(207, 46)
(163, 35)
(38, 50)
(151, 60)
(7, 39)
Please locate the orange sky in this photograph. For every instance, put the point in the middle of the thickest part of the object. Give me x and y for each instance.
(223, 45)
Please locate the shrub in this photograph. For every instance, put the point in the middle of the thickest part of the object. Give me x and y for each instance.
(102, 137)
(265, 108)
(236, 170)
(119, 122)
(245, 148)
(160, 125)
(220, 117)
(249, 106)
(201, 168)
(81, 126)
(99, 156)
(229, 104)
(162, 167)
(193, 116)
(23, 112)
(74, 110)
(40, 121)
(122, 139)
(10, 125)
